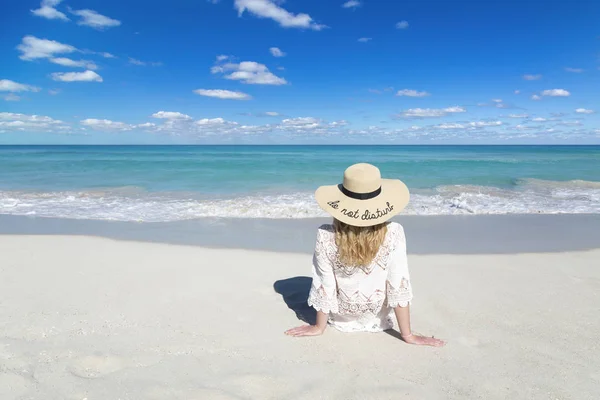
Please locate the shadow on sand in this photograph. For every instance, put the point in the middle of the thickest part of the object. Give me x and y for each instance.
(295, 294)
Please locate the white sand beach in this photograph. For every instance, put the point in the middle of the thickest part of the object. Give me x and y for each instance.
(97, 319)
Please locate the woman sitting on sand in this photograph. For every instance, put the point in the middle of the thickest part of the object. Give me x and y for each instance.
(360, 271)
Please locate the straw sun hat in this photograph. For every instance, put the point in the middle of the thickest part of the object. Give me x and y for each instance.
(363, 199)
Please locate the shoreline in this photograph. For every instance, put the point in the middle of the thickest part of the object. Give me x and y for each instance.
(473, 234)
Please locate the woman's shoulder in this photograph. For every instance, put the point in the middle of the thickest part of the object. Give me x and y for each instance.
(395, 232)
(325, 229)
(395, 226)
(325, 237)
(325, 234)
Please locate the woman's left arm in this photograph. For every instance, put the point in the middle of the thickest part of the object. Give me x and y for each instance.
(323, 292)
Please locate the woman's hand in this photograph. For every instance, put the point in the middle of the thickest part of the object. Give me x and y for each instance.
(305, 330)
(310, 330)
(423, 340)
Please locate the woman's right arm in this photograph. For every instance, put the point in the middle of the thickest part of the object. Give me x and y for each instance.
(399, 293)
(403, 317)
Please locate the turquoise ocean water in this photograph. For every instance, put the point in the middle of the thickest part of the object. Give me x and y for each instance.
(169, 183)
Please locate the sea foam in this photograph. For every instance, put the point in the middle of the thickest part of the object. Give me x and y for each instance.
(527, 196)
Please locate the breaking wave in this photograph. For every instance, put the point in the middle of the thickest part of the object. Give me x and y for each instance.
(526, 196)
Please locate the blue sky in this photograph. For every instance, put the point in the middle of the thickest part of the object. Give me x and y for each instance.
(311, 71)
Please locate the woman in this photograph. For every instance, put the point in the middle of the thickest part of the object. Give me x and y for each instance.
(360, 271)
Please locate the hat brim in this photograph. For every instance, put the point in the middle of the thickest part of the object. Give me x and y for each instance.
(394, 197)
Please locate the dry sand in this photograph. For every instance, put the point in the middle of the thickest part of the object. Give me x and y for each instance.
(98, 319)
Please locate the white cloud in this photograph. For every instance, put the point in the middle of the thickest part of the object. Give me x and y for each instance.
(67, 62)
(249, 72)
(584, 111)
(455, 109)
(532, 77)
(307, 125)
(449, 126)
(5, 116)
(574, 70)
(483, 124)
(498, 103)
(569, 123)
(518, 116)
(22, 122)
(351, 4)
(342, 122)
(402, 25)
(210, 121)
(520, 127)
(430, 112)
(12, 86)
(32, 48)
(209, 127)
(95, 20)
(376, 91)
(269, 9)
(365, 39)
(222, 57)
(556, 93)
(12, 97)
(170, 115)
(53, 92)
(517, 91)
(87, 76)
(535, 97)
(47, 10)
(106, 125)
(51, 3)
(412, 93)
(223, 94)
(306, 122)
(251, 129)
(134, 61)
(275, 51)
(468, 125)
(100, 53)
(539, 119)
(176, 123)
(272, 113)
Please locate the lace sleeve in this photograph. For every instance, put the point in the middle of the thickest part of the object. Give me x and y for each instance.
(399, 289)
(323, 293)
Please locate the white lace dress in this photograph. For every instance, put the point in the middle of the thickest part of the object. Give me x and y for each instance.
(361, 299)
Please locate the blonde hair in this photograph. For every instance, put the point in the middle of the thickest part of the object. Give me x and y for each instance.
(358, 246)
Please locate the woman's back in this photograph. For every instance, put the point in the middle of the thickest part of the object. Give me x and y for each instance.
(360, 298)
